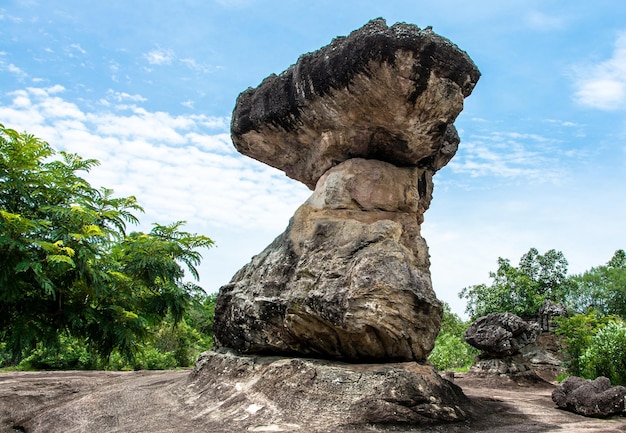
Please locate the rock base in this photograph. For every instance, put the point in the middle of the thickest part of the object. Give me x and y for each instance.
(255, 393)
(506, 370)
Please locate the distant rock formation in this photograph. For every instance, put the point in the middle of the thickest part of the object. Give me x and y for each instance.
(366, 121)
(500, 337)
(501, 334)
(594, 398)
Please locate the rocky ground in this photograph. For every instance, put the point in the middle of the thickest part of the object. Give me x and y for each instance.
(89, 401)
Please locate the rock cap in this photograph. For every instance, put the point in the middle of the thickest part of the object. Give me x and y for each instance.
(501, 333)
(386, 93)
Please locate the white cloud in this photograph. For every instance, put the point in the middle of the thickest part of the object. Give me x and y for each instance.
(123, 96)
(198, 67)
(71, 50)
(603, 85)
(565, 123)
(17, 71)
(11, 18)
(510, 156)
(179, 167)
(160, 56)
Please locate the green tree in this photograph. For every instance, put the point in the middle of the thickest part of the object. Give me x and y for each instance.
(602, 288)
(520, 290)
(67, 267)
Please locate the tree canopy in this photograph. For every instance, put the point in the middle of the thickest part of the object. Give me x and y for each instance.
(602, 288)
(67, 265)
(520, 290)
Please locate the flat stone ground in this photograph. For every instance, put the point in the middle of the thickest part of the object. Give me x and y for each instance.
(155, 401)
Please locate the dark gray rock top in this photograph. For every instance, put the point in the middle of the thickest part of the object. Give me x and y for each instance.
(501, 333)
(386, 93)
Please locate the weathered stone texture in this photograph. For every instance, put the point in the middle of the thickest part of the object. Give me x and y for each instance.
(298, 394)
(501, 334)
(348, 279)
(385, 93)
(366, 121)
(595, 398)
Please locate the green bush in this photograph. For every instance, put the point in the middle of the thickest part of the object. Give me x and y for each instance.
(451, 352)
(5, 356)
(606, 355)
(577, 332)
(151, 359)
(70, 354)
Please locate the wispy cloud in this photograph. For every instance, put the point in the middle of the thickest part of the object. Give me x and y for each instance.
(15, 70)
(116, 96)
(72, 49)
(160, 56)
(603, 85)
(510, 156)
(8, 17)
(10, 67)
(198, 67)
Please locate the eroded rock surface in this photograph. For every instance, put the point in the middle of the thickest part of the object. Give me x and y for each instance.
(348, 279)
(500, 337)
(366, 121)
(385, 93)
(501, 334)
(595, 398)
(297, 394)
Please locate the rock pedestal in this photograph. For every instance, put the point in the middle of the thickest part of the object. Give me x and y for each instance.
(348, 279)
(259, 393)
(365, 122)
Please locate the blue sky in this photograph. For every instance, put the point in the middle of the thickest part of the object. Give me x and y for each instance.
(148, 88)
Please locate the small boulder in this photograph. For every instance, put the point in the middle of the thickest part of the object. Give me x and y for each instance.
(594, 398)
(501, 334)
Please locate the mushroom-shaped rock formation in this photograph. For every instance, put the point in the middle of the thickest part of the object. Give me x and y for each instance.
(385, 93)
(366, 120)
(501, 334)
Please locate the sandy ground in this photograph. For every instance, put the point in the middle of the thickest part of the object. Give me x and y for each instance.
(155, 402)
